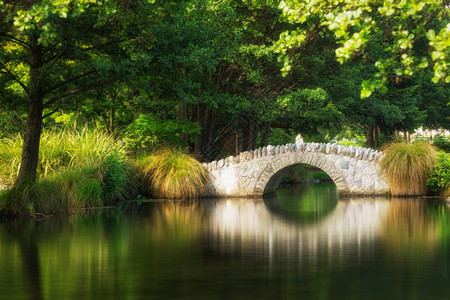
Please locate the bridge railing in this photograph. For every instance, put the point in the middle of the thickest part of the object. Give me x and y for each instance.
(356, 152)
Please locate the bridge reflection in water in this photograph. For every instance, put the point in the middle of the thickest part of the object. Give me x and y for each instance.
(287, 225)
(313, 226)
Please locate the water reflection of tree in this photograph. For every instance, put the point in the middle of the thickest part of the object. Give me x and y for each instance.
(408, 229)
(24, 234)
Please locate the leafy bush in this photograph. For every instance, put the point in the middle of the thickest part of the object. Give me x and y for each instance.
(278, 136)
(147, 132)
(442, 143)
(115, 178)
(439, 180)
(173, 174)
(354, 143)
(407, 166)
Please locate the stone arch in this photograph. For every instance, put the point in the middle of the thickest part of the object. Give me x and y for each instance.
(267, 183)
(354, 170)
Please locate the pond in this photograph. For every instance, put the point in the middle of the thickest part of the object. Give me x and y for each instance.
(305, 243)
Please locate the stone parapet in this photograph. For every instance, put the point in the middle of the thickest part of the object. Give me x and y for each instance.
(354, 170)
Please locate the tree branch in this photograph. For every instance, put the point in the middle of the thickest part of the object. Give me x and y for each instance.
(16, 40)
(275, 124)
(14, 77)
(55, 59)
(63, 83)
(115, 42)
(49, 114)
(76, 91)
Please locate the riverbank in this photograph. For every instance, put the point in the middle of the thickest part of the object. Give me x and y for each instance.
(82, 170)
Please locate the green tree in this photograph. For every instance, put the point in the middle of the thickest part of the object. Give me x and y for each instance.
(53, 50)
(403, 25)
(204, 71)
(215, 63)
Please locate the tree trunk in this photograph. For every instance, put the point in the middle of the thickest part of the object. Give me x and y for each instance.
(29, 251)
(209, 147)
(199, 117)
(30, 149)
(252, 135)
(265, 134)
(106, 122)
(369, 137)
(375, 137)
(75, 121)
(183, 115)
(112, 114)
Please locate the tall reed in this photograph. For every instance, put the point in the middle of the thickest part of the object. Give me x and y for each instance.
(173, 174)
(58, 148)
(407, 166)
(76, 170)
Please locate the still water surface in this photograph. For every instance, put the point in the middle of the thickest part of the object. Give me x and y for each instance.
(302, 244)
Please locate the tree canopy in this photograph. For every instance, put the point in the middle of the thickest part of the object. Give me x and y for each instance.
(217, 77)
(403, 27)
(51, 50)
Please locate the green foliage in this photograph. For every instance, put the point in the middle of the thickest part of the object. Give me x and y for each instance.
(53, 51)
(147, 132)
(89, 184)
(407, 166)
(58, 149)
(348, 137)
(10, 158)
(404, 25)
(307, 110)
(10, 122)
(199, 74)
(354, 143)
(442, 143)
(278, 136)
(115, 178)
(173, 174)
(439, 180)
(137, 185)
(305, 173)
(78, 170)
(44, 197)
(81, 186)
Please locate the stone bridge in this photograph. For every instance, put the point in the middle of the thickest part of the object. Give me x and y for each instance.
(354, 170)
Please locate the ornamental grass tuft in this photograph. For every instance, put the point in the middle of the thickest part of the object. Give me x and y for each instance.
(76, 171)
(407, 166)
(58, 149)
(173, 174)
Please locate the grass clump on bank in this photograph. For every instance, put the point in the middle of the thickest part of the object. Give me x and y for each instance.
(407, 166)
(58, 149)
(77, 170)
(174, 174)
(91, 184)
(88, 169)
